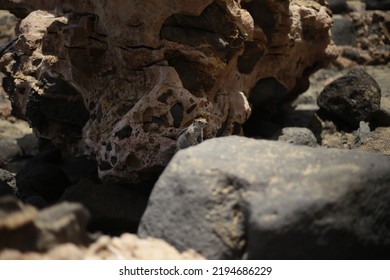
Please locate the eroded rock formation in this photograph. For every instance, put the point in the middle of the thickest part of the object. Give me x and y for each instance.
(118, 80)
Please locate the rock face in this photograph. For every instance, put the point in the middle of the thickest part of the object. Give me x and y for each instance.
(119, 80)
(234, 197)
(352, 98)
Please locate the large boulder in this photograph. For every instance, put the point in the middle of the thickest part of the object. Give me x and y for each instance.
(235, 198)
(119, 80)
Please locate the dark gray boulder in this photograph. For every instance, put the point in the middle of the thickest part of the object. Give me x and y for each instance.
(352, 98)
(237, 198)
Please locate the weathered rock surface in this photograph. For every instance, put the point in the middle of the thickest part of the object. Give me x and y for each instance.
(125, 247)
(352, 98)
(235, 197)
(24, 228)
(119, 81)
(377, 141)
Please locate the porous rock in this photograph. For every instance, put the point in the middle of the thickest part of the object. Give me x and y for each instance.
(234, 197)
(24, 228)
(352, 98)
(119, 81)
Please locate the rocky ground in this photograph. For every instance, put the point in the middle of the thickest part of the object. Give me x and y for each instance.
(308, 178)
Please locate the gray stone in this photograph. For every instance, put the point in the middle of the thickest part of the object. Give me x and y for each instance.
(234, 198)
(9, 150)
(297, 136)
(343, 31)
(352, 98)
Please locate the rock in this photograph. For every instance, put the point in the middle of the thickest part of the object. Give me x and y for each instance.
(9, 179)
(11, 131)
(114, 208)
(29, 145)
(234, 198)
(376, 141)
(122, 100)
(378, 5)
(24, 228)
(9, 149)
(297, 136)
(7, 27)
(329, 133)
(352, 98)
(343, 31)
(368, 38)
(125, 247)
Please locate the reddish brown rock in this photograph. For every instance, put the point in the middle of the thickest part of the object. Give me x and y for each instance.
(119, 80)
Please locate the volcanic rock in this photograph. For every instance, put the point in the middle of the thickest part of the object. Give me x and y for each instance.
(119, 81)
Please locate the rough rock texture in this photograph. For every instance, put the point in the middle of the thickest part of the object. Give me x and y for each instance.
(24, 228)
(119, 80)
(364, 40)
(235, 197)
(377, 141)
(125, 247)
(352, 98)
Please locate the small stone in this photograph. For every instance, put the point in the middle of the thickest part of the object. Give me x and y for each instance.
(352, 98)
(297, 136)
